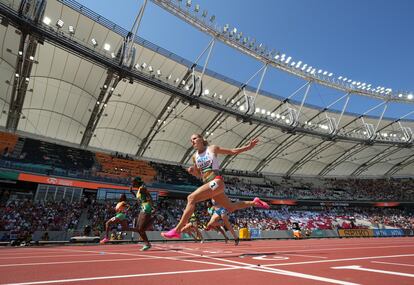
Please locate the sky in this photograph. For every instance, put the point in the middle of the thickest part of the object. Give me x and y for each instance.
(369, 41)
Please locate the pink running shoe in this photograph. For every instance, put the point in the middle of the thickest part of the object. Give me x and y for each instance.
(171, 234)
(260, 203)
(104, 240)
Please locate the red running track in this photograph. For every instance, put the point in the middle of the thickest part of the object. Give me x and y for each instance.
(323, 261)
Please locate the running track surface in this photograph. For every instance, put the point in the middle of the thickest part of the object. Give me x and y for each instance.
(323, 261)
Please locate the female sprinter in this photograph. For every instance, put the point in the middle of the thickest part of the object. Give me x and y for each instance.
(216, 225)
(121, 209)
(145, 217)
(206, 166)
(221, 213)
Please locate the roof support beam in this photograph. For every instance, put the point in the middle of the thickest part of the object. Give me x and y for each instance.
(342, 158)
(107, 90)
(377, 158)
(309, 156)
(290, 140)
(400, 165)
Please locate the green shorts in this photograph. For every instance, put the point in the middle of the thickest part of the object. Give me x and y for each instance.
(146, 208)
(121, 216)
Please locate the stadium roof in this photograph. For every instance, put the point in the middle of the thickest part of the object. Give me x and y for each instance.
(67, 85)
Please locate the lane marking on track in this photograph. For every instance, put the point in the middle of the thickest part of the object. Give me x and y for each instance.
(306, 255)
(119, 276)
(47, 256)
(71, 262)
(340, 259)
(360, 268)
(264, 268)
(266, 257)
(393, 263)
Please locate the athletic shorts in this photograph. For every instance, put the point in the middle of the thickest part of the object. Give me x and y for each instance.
(121, 216)
(221, 211)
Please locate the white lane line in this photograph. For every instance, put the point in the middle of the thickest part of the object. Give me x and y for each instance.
(360, 268)
(70, 262)
(47, 256)
(179, 258)
(121, 276)
(393, 263)
(306, 255)
(340, 259)
(266, 269)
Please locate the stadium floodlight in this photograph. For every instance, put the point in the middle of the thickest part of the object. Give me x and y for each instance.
(204, 14)
(47, 20)
(159, 73)
(225, 28)
(20, 52)
(298, 64)
(150, 69)
(107, 47)
(212, 18)
(169, 77)
(31, 57)
(277, 116)
(60, 23)
(245, 40)
(325, 73)
(144, 65)
(94, 42)
(288, 60)
(188, 4)
(17, 75)
(239, 36)
(340, 77)
(113, 56)
(309, 69)
(241, 108)
(206, 92)
(400, 95)
(410, 96)
(319, 71)
(276, 56)
(197, 8)
(304, 66)
(330, 74)
(71, 30)
(27, 79)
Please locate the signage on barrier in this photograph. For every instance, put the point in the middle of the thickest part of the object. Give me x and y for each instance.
(388, 232)
(255, 233)
(356, 233)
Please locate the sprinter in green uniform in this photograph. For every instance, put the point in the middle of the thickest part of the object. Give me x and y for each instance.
(145, 217)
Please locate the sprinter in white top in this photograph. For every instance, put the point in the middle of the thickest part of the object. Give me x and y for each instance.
(206, 167)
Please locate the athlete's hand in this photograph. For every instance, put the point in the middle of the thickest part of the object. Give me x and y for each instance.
(253, 143)
(191, 170)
